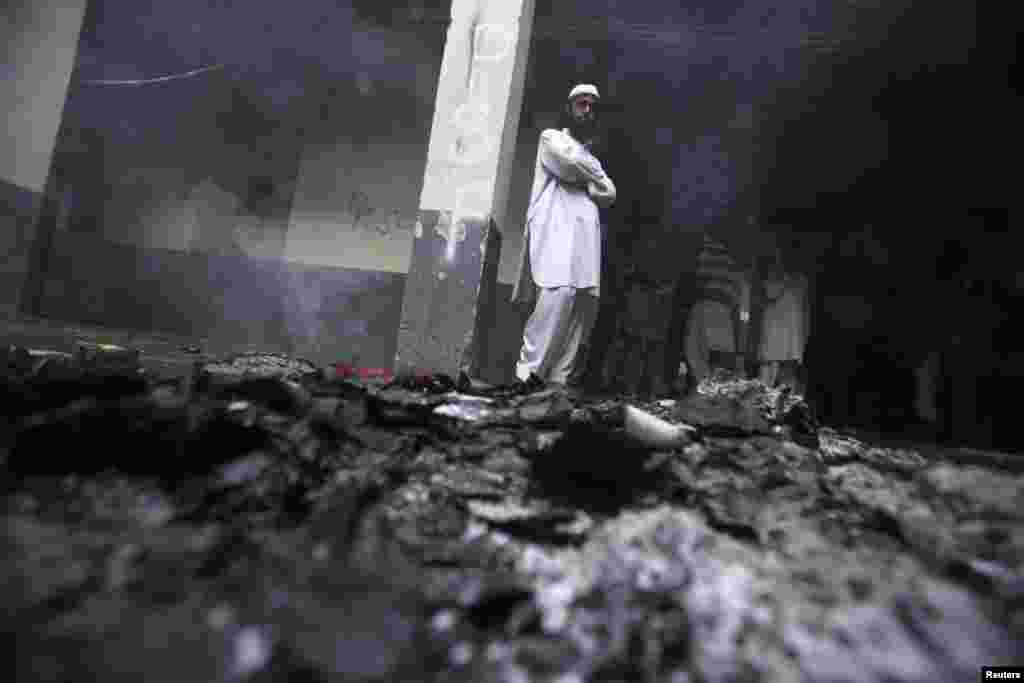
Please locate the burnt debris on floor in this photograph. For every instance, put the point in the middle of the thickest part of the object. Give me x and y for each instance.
(264, 519)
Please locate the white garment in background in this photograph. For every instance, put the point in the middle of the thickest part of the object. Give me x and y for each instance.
(784, 331)
(562, 238)
(709, 327)
(562, 321)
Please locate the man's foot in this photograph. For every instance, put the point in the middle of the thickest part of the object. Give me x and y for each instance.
(531, 385)
(469, 385)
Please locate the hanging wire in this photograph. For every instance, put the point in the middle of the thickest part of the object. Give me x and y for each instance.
(148, 81)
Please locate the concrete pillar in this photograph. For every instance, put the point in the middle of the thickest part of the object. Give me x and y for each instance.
(451, 287)
(38, 44)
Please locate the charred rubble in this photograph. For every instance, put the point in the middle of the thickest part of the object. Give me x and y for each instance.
(263, 519)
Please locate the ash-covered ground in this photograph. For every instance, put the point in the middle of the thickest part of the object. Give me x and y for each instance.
(260, 521)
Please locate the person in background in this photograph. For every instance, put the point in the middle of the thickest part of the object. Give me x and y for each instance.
(713, 328)
(560, 262)
(784, 327)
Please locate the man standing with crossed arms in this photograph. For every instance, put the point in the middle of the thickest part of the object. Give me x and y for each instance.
(560, 264)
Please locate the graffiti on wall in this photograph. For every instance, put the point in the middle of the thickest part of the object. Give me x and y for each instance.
(374, 221)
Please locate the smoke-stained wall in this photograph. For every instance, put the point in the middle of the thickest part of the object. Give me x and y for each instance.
(247, 177)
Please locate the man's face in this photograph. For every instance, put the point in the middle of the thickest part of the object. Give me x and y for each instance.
(582, 108)
(581, 112)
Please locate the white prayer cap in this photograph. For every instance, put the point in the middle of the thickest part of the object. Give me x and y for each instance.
(584, 89)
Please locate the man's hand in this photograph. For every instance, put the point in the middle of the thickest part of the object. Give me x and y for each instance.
(602, 192)
(562, 157)
(565, 158)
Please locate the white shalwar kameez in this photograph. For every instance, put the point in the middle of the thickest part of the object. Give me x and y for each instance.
(785, 321)
(561, 256)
